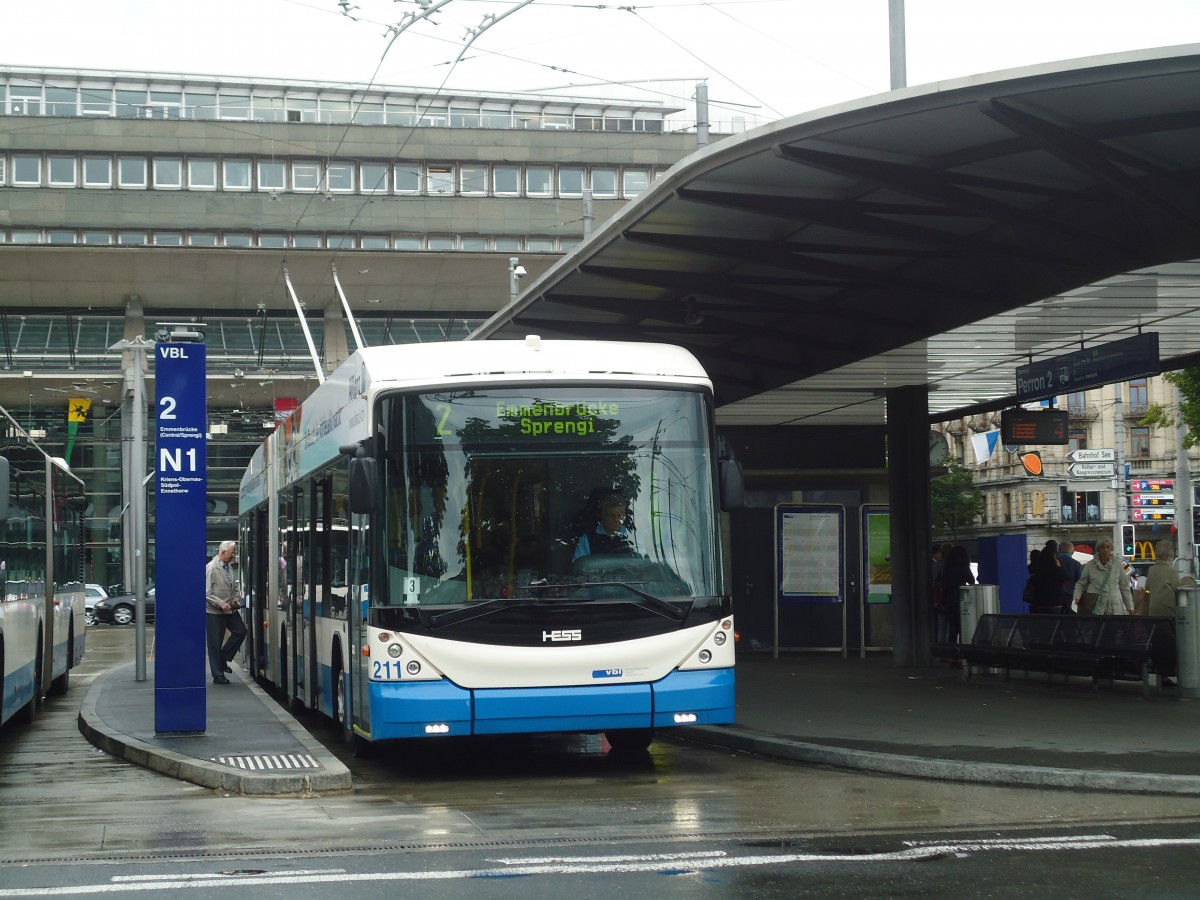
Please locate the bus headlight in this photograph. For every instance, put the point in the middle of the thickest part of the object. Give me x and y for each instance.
(705, 655)
(719, 638)
(394, 650)
(413, 667)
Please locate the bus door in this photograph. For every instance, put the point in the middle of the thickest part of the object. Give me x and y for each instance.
(291, 509)
(302, 606)
(253, 541)
(358, 592)
(317, 593)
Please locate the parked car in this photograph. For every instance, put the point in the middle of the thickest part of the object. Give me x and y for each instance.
(92, 594)
(122, 610)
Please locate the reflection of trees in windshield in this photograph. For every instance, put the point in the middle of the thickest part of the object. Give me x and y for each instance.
(488, 492)
(613, 470)
(677, 514)
(527, 499)
(416, 478)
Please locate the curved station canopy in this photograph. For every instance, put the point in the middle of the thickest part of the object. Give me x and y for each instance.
(939, 235)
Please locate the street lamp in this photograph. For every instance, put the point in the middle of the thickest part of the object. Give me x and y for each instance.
(133, 489)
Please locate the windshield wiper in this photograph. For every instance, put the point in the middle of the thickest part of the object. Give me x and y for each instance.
(652, 603)
(466, 613)
(476, 610)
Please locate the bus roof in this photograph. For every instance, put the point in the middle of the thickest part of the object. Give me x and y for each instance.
(433, 364)
(335, 414)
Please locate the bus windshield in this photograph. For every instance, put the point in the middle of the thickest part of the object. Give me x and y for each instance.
(499, 494)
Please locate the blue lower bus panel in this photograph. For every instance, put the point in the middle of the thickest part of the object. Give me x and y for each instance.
(432, 708)
(706, 694)
(592, 708)
(410, 709)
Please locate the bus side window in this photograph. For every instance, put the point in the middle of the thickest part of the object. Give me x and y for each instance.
(4, 488)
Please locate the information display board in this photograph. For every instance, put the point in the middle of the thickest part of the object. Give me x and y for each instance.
(810, 562)
(808, 550)
(1024, 426)
(1152, 500)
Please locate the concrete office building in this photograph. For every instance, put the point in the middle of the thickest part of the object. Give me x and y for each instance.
(132, 200)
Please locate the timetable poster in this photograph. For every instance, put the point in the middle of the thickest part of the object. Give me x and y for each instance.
(809, 545)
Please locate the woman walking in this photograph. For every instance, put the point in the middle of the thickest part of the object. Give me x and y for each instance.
(1103, 587)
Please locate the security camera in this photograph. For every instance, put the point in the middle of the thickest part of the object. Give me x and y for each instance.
(180, 332)
(520, 272)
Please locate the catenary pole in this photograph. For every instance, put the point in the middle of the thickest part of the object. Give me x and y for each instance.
(896, 44)
(1185, 536)
(1121, 482)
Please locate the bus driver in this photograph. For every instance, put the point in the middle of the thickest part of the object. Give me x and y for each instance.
(610, 534)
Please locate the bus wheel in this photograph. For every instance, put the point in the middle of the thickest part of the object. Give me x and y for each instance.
(283, 666)
(294, 704)
(630, 740)
(62, 683)
(359, 747)
(340, 686)
(27, 713)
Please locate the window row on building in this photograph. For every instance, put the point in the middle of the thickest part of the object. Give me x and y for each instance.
(1077, 507)
(177, 173)
(264, 240)
(1136, 442)
(23, 97)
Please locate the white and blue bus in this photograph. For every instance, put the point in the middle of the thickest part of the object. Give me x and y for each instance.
(409, 535)
(42, 629)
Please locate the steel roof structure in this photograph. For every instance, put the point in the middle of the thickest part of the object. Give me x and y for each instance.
(938, 235)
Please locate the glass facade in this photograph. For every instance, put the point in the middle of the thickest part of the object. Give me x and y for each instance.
(94, 448)
(37, 95)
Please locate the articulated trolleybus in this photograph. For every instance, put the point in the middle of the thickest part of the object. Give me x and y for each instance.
(42, 631)
(411, 543)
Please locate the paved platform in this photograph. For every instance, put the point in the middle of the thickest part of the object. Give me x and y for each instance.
(864, 714)
(250, 744)
(868, 714)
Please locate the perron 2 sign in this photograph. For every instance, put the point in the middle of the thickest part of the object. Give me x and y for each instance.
(181, 467)
(1102, 364)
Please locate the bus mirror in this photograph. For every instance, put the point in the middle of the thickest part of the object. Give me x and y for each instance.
(733, 492)
(363, 481)
(4, 486)
(729, 472)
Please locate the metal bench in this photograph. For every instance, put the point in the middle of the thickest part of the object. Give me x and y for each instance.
(1099, 647)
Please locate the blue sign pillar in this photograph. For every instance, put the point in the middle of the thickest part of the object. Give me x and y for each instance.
(180, 681)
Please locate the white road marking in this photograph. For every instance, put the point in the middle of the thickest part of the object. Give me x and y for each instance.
(213, 876)
(715, 859)
(646, 857)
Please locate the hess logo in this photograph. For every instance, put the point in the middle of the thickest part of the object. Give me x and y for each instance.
(565, 634)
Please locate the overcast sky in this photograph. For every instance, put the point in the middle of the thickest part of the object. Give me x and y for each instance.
(778, 57)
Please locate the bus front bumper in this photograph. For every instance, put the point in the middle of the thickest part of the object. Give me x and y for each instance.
(435, 708)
